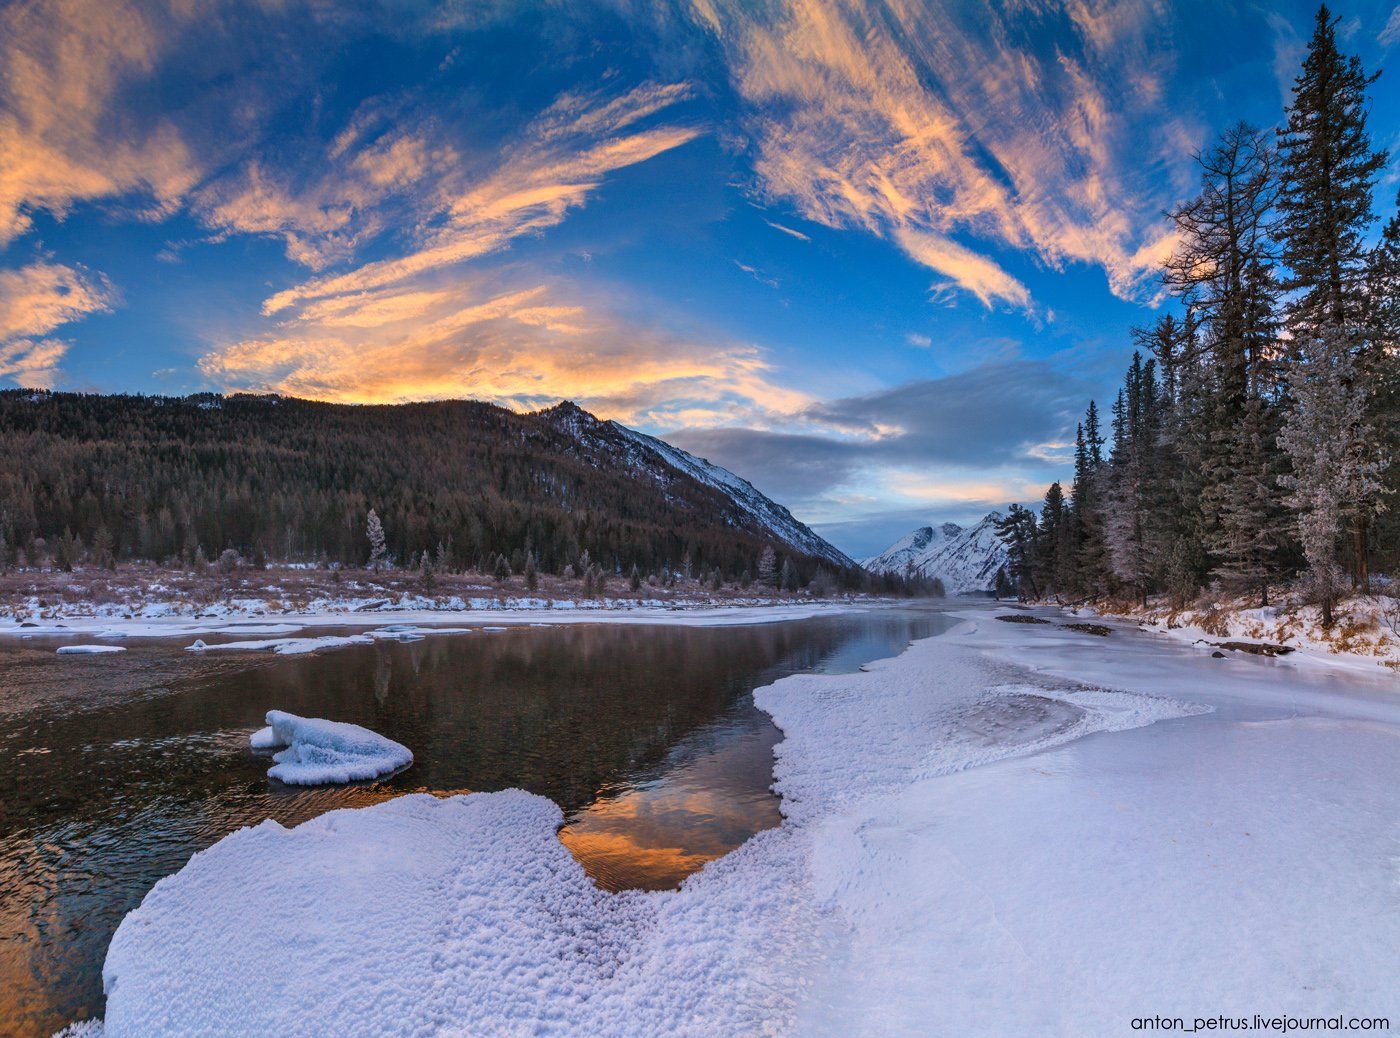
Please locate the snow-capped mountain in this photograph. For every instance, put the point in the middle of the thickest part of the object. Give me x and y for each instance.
(965, 559)
(664, 462)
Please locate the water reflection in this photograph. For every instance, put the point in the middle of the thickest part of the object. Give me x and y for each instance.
(646, 736)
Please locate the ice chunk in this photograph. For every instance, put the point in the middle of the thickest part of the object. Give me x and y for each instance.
(319, 752)
(88, 650)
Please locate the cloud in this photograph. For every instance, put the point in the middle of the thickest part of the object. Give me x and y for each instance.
(560, 159)
(932, 124)
(1390, 33)
(38, 298)
(65, 136)
(788, 230)
(35, 300)
(921, 341)
(32, 363)
(522, 345)
(910, 441)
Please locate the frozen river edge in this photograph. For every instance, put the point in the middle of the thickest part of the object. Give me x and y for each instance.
(956, 858)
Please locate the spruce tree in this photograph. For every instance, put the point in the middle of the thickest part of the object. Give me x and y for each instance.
(1328, 170)
(1329, 443)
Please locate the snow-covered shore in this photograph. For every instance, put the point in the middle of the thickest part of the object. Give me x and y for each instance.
(284, 631)
(1364, 635)
(957, 857)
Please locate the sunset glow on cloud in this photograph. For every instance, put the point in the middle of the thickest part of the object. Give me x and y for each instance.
(800, 237)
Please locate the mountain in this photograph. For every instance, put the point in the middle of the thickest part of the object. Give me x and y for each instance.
(665, 463)
(156, 478)
(965, 559)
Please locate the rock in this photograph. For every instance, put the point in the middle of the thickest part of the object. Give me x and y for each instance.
(1017, 619)
(1096, 629)
(1257, 648)
(1217, 655)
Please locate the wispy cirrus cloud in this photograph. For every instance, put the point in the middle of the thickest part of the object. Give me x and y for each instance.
(35, 300)
(928, 124)
(560, 159)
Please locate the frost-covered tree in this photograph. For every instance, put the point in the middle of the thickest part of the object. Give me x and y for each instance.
(767, 566)
(1329, 443)
(374, 530)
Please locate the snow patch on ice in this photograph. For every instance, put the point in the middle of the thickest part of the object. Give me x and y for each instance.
(319, 752)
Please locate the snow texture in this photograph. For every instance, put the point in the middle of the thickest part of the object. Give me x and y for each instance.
(88, 650)
(320, 752)
(956, 858)
(965, 560)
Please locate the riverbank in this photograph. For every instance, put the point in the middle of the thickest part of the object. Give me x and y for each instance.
(139, 602)
(1365, 632)
(956, 857)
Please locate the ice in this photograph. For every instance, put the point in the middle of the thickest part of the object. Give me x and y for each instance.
(1005, 830)
(88, 650)
(283, 646)
(319, 752)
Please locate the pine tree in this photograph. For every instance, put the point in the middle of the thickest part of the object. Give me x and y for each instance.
(1017, 530)
(374, 530)
(1329, 443)
(1250, 532)
(532, 575)
(1328, 169)
(767, 566)
(634, 579)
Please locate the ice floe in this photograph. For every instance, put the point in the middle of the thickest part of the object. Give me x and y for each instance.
(319, 752)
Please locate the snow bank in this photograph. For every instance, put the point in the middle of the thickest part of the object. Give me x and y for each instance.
(88, 650)
(956, 858)
(320, 752)
(465, 915)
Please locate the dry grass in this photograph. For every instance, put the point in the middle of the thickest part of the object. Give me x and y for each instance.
(130, 587)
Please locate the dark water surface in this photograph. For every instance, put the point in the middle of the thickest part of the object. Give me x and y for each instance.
(115, 769)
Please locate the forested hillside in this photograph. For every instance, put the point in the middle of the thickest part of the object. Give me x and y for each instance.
(103, 478)
(1255, 434)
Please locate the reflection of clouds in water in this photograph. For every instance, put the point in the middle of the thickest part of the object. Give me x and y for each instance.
(713, 799)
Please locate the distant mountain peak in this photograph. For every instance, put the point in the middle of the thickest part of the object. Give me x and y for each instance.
(965, 560)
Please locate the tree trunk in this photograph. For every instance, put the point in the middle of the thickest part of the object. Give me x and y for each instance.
(1361, 570)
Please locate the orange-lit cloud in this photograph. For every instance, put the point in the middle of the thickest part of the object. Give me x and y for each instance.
(560, 159)
(34, 300)
(518, 346)
(63, 135)
(919, 121)
(37, 298)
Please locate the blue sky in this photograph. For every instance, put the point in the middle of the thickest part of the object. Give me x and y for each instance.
(876, 257)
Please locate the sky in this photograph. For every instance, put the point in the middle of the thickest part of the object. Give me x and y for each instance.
(876, 257)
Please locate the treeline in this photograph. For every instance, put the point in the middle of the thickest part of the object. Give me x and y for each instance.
(1253, 437)
(97, 479)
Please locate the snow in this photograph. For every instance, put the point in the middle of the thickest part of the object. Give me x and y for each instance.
(88, 650)
(284, 646)
(320, 752)
(423, 617)
(1008, 829)
(762, 510)
(655, 457)
(1366, 632)
(965, 560)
